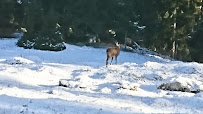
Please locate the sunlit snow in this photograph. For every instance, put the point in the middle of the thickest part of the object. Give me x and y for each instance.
(29, 82)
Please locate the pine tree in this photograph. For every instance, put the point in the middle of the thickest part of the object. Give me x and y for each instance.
(196, 46)
(43, 29)
(8, 20)
(175, 22)
(195, 42)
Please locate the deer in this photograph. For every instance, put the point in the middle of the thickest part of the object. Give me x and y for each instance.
(113, 52)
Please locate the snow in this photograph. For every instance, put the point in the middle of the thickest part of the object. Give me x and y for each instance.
(29, 82)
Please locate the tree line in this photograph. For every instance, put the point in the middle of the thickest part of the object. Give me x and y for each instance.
(169, 27)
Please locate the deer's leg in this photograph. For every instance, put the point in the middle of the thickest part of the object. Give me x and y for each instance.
(116, 60)
(111, 60)
(107, 61)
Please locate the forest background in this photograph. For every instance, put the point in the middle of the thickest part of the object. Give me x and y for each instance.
(169, 27)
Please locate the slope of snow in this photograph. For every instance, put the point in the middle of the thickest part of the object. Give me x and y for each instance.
(29, 82)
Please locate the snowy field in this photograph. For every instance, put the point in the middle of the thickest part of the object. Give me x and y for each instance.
(29, 82)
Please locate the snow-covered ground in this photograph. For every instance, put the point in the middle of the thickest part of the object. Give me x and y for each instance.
(29, 82)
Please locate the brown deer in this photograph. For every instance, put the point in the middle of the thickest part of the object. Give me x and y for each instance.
(113, 52)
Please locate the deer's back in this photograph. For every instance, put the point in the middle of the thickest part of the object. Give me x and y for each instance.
(113, 52)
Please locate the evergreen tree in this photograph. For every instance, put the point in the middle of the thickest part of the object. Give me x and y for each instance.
(8, 21)
(196, 40)
(43, 29)
(170, 27)
(196, 46)
(175, 22)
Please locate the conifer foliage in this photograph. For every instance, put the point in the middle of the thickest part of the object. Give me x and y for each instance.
(43, 29)
(169, 27)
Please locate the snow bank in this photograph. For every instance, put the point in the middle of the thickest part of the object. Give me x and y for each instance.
(30, 79)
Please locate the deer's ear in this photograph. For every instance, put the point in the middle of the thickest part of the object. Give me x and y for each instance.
(117, 44)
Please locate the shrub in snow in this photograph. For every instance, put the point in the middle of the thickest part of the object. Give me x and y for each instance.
(51, 40)
(46, 43)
